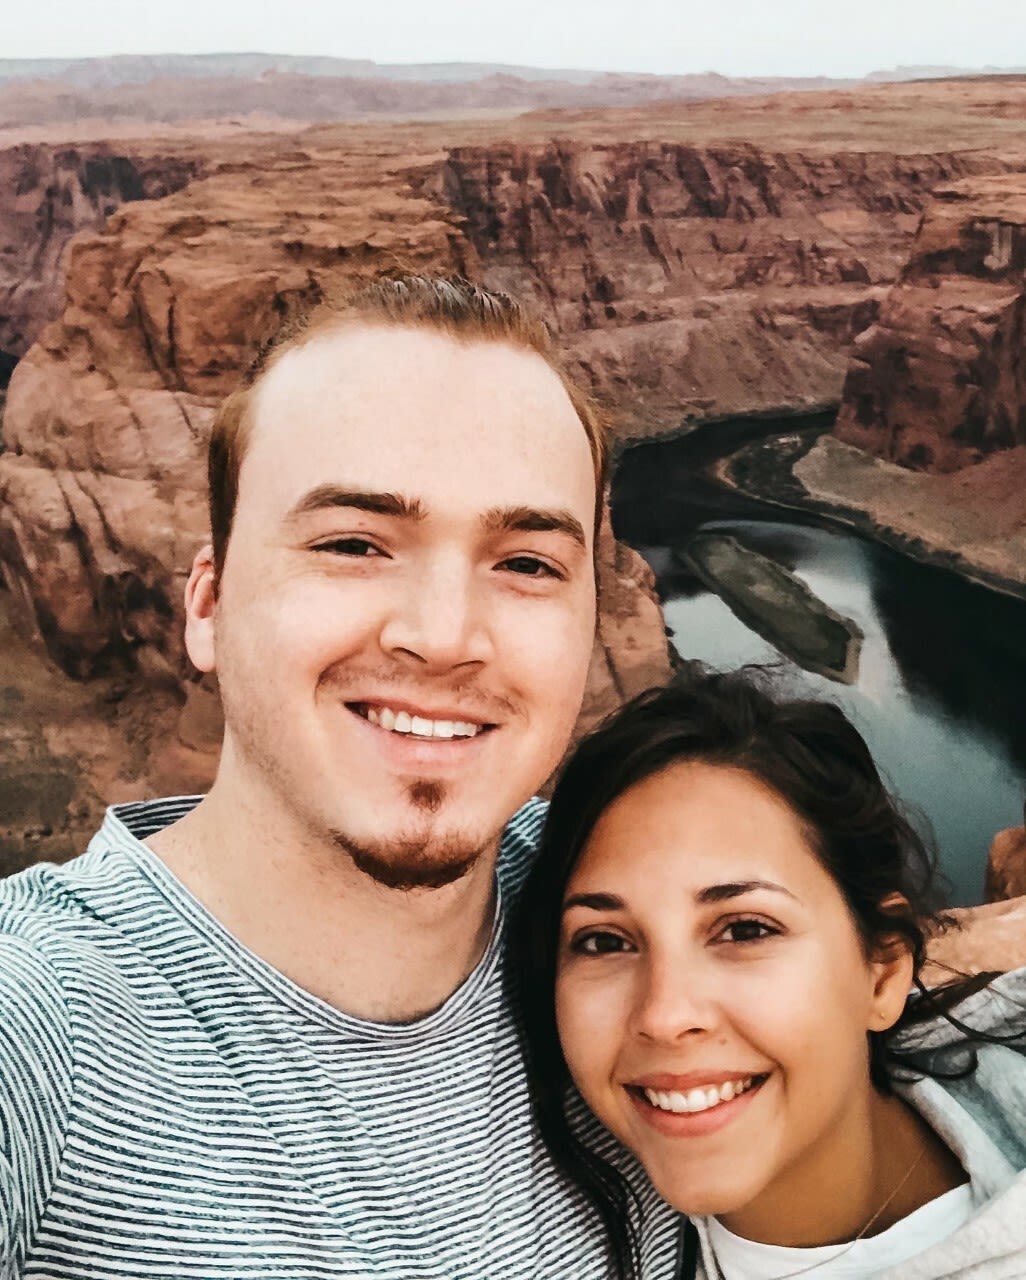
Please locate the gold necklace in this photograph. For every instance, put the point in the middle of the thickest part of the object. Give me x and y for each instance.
(803, 1271)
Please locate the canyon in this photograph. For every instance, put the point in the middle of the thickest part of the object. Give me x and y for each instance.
(697, 261)
(929, 446)
(686, 281)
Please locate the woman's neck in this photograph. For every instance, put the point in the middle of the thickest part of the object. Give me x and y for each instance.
(882, 1150)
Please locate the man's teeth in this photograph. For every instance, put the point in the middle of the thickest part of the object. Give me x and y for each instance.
(403, 722)
(698, 1099)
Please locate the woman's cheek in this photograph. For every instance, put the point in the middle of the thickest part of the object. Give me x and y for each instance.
(590, 1029)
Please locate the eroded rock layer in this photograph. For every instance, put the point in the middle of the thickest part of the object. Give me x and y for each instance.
(50, 193)
(683, 282)
(939, 381)
(696, 282)
(686, 280)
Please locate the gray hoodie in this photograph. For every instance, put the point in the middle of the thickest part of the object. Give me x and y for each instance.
(982, 1118)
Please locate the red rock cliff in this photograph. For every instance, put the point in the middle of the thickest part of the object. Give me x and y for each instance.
(939, 382)
(697, 282)
(684, 282)
(50, 194)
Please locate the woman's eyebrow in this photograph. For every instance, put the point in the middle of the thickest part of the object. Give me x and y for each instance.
(596, 901)
(736, 888)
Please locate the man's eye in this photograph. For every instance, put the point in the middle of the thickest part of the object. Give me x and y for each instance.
(349, 547)
(530, 567)
(599, 943)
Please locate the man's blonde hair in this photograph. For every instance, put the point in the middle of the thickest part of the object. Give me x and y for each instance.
(451, 306)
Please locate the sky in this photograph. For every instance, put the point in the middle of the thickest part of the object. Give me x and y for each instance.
(734, 37)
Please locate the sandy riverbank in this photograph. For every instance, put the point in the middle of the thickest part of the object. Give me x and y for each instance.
(972, 522)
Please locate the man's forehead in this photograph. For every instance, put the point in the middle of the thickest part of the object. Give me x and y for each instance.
(359, 364)
(454, 426)
(405, 394)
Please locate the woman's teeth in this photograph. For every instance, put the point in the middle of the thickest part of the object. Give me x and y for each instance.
(698, 1099)
(403, 722)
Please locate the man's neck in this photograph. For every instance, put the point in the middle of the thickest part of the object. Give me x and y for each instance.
(379, 954)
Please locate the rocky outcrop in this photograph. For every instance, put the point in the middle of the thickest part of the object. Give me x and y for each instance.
(939, 381)
(50, 193)
(1006, 866)
(697, 282)
(631, 648)
(992, 937)
(101, 488)
(682, 283)
(986, 939)
(929, 448)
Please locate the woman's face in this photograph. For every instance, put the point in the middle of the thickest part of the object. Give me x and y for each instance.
(713, 994)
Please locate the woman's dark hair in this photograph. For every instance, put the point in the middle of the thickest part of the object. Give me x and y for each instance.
(810, 754)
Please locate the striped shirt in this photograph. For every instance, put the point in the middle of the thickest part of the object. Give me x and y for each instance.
(172, 1106)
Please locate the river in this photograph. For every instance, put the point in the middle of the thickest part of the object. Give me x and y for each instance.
(941, 691)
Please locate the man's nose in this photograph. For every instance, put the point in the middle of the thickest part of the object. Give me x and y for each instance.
(674, 1000)
(440, 618)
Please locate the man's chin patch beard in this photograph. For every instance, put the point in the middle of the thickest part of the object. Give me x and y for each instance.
(428, 797)
(411, 864)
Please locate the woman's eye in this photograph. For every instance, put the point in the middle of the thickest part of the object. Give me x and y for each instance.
(747, 931)
(349, 547)
(530, 567)
(599, 944)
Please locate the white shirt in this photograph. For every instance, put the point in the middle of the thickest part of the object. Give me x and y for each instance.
(740, 1259)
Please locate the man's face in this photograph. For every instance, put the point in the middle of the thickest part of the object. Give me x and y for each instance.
(407, 607)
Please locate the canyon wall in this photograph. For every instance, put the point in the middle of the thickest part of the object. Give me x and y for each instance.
(692, 282)
(939, 381)
(50, 194)
(929, 448)
(682, 283)
(102, 485)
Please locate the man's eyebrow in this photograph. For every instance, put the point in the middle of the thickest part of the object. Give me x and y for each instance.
(535, 520)
(736, 889)
(326, 496)
(596, 901)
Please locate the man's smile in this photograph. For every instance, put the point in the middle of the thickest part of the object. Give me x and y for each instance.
(399, 718)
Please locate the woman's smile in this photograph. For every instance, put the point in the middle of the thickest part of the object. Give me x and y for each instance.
(698, 1111)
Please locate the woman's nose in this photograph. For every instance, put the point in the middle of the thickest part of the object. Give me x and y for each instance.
(673, 1001)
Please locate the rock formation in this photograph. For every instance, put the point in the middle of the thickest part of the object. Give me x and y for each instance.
(694, 282)
(685, 279)
(1006, 866)
(991, 937)
(50, 193)
(939, 381)
(929, 447)
(101, 488)
(986, 939)
(682, 282)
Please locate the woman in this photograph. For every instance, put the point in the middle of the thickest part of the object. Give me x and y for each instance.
(716, 946)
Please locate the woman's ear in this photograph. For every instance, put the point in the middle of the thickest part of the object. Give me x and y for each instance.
(200, 611)
(892, 969)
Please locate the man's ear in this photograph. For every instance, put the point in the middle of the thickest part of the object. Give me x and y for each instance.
(892, 967)
(200, 609)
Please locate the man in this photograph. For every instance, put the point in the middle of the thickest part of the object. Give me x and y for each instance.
(265, 1034)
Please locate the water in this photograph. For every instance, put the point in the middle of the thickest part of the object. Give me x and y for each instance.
(941, 691)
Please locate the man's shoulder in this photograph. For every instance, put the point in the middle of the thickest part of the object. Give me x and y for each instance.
(58, 925)
(35, 1018)
(520, 840)
(44, 936)
(38, 907)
